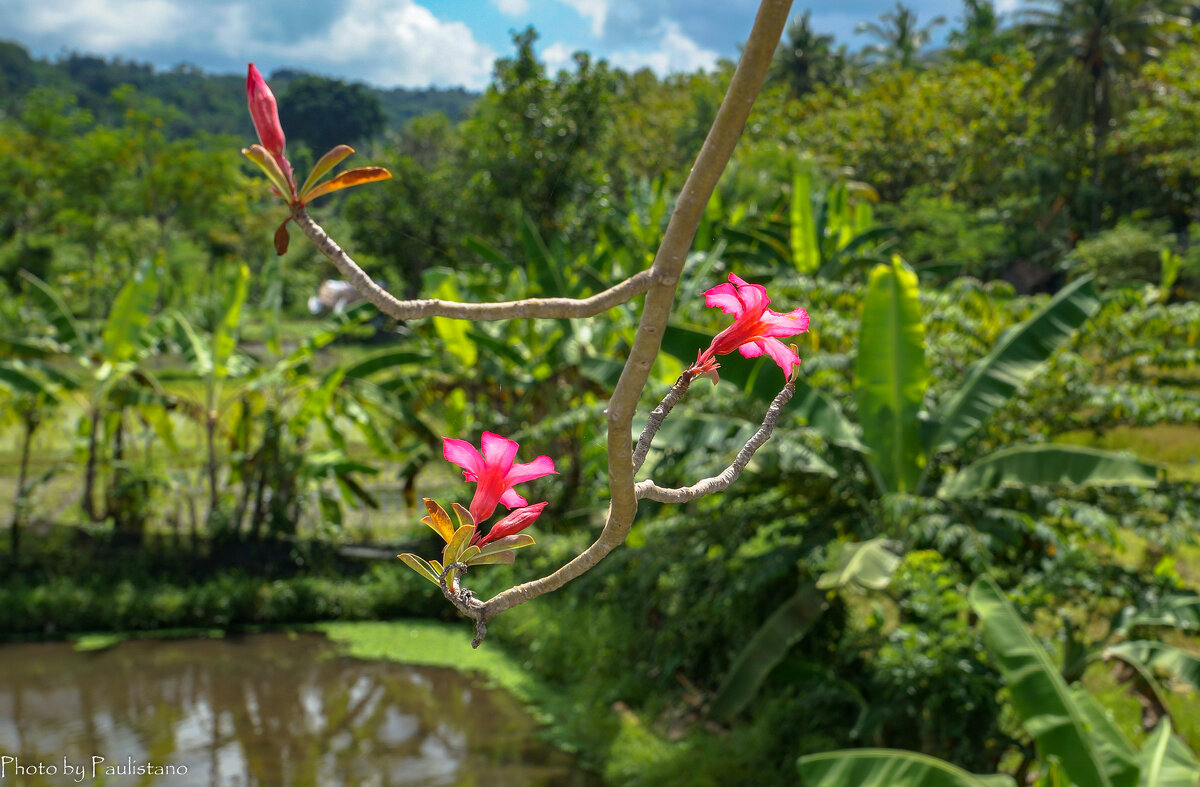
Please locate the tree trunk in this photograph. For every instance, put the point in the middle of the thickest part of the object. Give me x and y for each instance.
(31, 423)
(89, 471)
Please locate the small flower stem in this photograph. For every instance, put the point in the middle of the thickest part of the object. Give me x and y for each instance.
(657, 415)
(648, 490)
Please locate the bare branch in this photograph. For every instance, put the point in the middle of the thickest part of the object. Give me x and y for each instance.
(553, 308)
(656, 418)
(648, 490)
(668, 263)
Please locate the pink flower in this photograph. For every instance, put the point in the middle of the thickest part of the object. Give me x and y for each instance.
(755, 330)
(265, 115)
(510, 525)
(495, 472)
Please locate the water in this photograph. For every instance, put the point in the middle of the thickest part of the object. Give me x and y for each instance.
(268, 709)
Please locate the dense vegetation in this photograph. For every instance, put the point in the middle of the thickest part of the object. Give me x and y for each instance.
(169, 408)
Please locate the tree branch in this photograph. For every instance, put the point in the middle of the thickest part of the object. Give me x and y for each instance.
(657, 415)
(552, 308)
(668, 263)
(648, 490)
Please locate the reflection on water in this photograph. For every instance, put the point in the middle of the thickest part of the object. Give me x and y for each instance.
(267, 709)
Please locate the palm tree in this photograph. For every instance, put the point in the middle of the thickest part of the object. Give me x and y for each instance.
(1085, 54)
(807, 59)
(900, 39)
(981, 37)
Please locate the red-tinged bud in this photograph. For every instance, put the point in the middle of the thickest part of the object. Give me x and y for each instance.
(513, 523)
(264, 112)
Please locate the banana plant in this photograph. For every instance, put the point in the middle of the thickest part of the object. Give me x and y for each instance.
(112, 375)
(899, 443)
(35, 388)
(1076, 742)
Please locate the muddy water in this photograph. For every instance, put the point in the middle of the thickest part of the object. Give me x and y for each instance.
(266, 709)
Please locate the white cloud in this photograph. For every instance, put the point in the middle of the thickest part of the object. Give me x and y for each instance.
(385, 42)
(674, 52)
(103, 25)
(557, 56)
(1006, 6)
(394, 42)
(594, 10)
(512, 7)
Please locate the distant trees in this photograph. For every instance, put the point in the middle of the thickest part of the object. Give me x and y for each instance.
(900, 38)
(806, 59)
(326, 112)
(1086, 53)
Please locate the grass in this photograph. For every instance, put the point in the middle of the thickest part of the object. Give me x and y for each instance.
(1175, 445)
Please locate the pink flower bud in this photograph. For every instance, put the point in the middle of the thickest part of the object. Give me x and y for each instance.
(264, 113)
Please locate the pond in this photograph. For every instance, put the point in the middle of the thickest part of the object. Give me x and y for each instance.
(266, 709)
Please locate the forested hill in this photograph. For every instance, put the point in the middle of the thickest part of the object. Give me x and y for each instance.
(213, 103)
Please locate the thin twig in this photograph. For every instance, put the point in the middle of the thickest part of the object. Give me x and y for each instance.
(648, 490)
(656, 418)
(668, 263)
(553, 308)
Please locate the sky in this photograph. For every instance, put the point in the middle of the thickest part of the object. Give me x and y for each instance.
(415, 43)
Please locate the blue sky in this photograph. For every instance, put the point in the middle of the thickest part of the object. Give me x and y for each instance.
(412, 43)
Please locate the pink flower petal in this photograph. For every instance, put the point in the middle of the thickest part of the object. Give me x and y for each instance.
(510, 500)
(498, 451)
(753, 296)
(527, 471)
(724, 297)
(776, 324)
(751, 349)
(781, 354)
(463, 454)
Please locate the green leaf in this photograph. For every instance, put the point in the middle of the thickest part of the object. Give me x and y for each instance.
(387, 359)
(15, 376)
(786, 626)
(1015, 359)
(225, 337)
(458, 543)
(1166, 761)
(129, 315)
(1178, 612)
(806, 255)
(515, 541)
(65, 328)
(454, 334)
(1049, 465)
(868, 564)
(200, 354)
(270, 167)
(888, 768)
(1159, 658)
(1115, 751)
(1039, 694)
(890, 376)
(421, 566)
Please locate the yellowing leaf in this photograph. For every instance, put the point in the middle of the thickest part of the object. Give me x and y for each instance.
(327, 162)
(438, 519)
(353, 177)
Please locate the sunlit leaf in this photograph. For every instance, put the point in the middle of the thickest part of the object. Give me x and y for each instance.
(438, 519)
(353, 177)
(270, 167)
(327, 162)
(421, 566)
